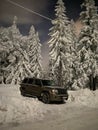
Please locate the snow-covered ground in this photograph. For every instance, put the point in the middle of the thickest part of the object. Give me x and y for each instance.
(16, 108)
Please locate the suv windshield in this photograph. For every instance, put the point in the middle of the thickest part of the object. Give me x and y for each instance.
(48, 83)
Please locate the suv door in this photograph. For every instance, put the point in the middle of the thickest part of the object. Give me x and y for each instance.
(29, 88)
(37, 87)
(24, 85)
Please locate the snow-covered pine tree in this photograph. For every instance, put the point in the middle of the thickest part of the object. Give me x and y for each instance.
(19, 66)
(88, 44)
(61, 47)
(34, 53)
(5, 44)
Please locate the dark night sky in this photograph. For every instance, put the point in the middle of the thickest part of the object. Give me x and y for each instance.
(26, 19)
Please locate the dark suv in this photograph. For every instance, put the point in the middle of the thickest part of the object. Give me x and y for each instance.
(45, 90)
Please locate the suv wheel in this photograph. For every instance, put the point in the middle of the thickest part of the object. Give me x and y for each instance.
(45, 98)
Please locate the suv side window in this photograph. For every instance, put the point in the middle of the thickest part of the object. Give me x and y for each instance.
(38, 82)
(30, 81)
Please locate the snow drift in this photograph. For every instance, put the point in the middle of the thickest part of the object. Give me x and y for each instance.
(16, 108)
(84, 97)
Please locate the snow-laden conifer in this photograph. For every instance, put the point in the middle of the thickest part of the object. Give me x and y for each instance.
(34, 52)
(88, 44)
(61, 46)
(5, 44)
(19, 66)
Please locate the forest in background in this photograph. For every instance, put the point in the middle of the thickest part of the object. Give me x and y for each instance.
(73, 60)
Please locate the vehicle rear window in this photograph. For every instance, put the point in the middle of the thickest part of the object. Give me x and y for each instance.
(25, 80)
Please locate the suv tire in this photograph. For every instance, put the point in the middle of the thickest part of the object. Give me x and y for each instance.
(45, 98)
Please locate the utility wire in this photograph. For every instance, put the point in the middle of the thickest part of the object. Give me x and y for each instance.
(29, 10)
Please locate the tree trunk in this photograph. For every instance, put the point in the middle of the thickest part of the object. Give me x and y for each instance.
(60, 80)
(92, 83)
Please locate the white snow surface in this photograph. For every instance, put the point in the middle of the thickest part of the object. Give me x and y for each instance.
(16, 108)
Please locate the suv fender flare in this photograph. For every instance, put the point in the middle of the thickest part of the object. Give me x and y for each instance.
(45, 97)
(44, 92)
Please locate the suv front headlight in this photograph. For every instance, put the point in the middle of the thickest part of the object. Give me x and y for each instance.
(55, 91)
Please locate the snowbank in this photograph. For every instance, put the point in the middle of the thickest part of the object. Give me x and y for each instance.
(84, 97)
(16, 108)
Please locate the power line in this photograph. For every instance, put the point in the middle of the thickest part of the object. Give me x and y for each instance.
(29, 10)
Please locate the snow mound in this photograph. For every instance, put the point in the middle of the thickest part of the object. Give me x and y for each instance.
(15, 108)
(84, 97)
